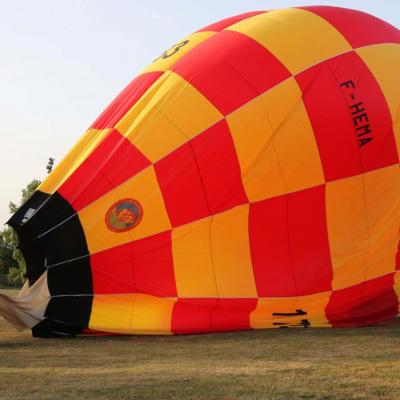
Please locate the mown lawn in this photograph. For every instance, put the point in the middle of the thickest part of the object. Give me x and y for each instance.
(270, 364)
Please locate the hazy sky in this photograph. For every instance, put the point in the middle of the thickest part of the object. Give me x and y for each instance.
(63, 61)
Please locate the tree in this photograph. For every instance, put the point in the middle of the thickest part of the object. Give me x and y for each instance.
(50, 165)
(12, 262)
(7, 260)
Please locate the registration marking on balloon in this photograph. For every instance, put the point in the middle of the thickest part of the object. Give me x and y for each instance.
(172, 50)
(359, 115)
(305, 323)
(124, 215)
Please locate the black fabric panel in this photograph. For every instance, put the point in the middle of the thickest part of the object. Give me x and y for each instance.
(70, 310)
(62, 239)
(32, 249)
(54, 211)
(20, 218)
(65, 242)
(74, 277)
(54, 235)
(53, 329)
(34, 256)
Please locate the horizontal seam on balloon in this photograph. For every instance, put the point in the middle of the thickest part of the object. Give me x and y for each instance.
(176, 298)
(225, 211)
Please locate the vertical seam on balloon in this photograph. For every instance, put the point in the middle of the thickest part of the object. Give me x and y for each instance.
(392, 118)
(204, 192)
(275, 132)
(271, 142)
(363, 179)
(210, 232)
(362, 171)
(189, 141)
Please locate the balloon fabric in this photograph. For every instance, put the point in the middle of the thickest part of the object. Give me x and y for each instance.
(248, 178)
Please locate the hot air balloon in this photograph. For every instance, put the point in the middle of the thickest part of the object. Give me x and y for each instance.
(248, 178)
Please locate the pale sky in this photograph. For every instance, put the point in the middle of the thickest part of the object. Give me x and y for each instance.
(63, 61)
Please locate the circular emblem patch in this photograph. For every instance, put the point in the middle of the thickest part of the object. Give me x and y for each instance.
(124, 215)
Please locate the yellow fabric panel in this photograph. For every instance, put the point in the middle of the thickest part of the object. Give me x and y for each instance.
(144, 188)
(193, 265)
(149, 130)
(268, 133)
(298, 38)
(293, 137)
(382, 193)
(186, 107)
(131, 314)
(314, 305)
(384, 62)
(231, 253)
(164, 138)
(177, 51)
(169, 114)
(251, 132)
(86, 144)
(347, 230)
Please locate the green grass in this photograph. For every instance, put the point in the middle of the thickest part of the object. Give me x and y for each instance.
(271, 364)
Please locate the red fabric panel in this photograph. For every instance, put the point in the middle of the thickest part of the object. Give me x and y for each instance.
(308, 240)
(153, 265)
(192, 315)
(125, 100)
(204, 170)
(143, 266)
(225, 23)
(364, 304)
(268, 233)
(181, 186)
(219, 168)
(112, 271)
(111, 163)
(289, 244)
(233, 314)
(231, 69)
(359, 28)
(211, 315)
(346, 107)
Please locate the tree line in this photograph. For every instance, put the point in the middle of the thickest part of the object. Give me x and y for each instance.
(12, 263)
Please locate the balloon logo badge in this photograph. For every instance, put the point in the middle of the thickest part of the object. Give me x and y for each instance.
(124, 215)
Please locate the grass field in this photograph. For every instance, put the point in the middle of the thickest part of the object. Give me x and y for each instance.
(270, 364)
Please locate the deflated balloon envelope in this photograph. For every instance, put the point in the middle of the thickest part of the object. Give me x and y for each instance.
(247, 178)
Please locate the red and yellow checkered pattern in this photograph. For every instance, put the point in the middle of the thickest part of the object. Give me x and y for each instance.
(264, 151)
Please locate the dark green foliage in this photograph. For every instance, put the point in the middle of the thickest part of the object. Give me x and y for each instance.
(12, 263)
